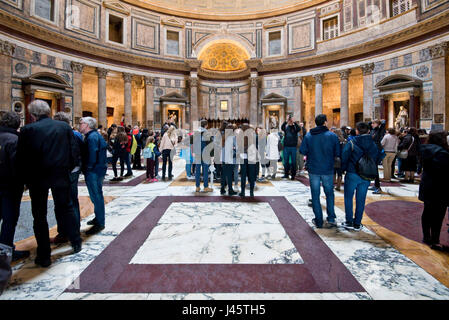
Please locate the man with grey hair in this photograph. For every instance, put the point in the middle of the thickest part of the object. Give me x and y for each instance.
(94, 166)
(46, 153)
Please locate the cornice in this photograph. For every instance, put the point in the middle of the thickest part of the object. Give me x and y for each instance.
(28, 28)
(232, 75)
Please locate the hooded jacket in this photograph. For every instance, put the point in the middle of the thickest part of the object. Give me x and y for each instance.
(291, 134)
(362, 144)
(435, 160)
(321, 146)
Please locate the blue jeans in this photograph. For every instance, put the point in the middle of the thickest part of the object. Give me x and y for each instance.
(188, 169)
(128, 163)
(94, 183)
(205, 174)
(290, 160)
(328, 186)
(353, 182)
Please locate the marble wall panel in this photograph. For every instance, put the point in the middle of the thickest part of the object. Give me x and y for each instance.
(90, 94)
(83, 17)
(15, 3)
(301, 36)
(145, 35)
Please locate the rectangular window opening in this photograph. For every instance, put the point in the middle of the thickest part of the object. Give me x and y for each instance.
(45, 9)
(274, 40)
(330, 28)
(172, 42)
(115, 29)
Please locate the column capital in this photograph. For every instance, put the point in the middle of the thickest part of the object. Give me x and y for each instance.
(193, 82)
(297, 82)
(128, 77)
(235, 90)
(319, 78)
(254, 64)
(77, 67)
(367, 69)
(254, 81)
(149, 81)
(193, 64)
(102, 73)
(7, 48)
(344, 74)
(213, 90)
(439, 50)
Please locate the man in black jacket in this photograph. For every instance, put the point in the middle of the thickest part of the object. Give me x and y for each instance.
(377, 133)
(11, 187)
(46, 153)
(291, 130)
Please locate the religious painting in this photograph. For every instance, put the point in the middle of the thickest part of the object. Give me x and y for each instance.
(224, 105)
(173, 115)
(273, 119)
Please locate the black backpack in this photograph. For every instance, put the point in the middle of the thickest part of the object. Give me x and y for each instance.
(365, 167)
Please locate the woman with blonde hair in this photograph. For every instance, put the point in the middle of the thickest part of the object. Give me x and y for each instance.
(167, 146)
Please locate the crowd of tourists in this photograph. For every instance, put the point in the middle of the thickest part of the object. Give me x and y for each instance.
(48, 154)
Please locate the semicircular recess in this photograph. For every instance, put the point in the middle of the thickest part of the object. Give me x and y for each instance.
(223, 57)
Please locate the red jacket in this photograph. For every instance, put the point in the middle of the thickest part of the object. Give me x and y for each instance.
(130, 141)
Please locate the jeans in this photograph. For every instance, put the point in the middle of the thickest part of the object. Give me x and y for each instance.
(226, 176)
(205, 174)
(328, 186)
(167, 157)
(248, 170)
(188, 169)
(156, 166)
(353, 182)
(290, 160)
(9, 214)
(94, 183)
(128, 163)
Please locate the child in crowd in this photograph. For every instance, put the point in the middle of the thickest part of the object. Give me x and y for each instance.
(150, 156)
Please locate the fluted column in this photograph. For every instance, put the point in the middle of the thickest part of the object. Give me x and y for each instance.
(440, 96)
(77, 69)
(149, 101)
(297, 114)
(6, 53)
(253, 101)
(367, 70)
(102, 73)
(194, 117)
(212, 102)
(235, 103)
(318, 93)
(344, 97)
(127, 77)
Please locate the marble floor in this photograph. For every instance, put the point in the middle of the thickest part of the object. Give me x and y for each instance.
(163, 241)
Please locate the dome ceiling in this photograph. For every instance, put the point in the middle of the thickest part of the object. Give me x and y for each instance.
(225, 9)
(223, 57)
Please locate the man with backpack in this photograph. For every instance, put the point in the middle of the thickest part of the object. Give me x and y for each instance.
(321, 147)
(359, 159)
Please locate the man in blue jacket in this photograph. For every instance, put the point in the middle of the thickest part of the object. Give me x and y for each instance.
(321, 147)
(94, 166)
(352, 152)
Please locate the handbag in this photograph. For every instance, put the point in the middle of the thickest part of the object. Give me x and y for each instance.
(403, 154)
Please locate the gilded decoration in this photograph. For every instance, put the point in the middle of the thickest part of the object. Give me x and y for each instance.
(224, 57)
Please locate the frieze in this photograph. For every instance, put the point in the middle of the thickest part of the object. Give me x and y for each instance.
(424, 54)
(37, 57)
(394, 62)
(408, 59)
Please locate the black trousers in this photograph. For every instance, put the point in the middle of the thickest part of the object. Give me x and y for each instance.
(226, 176)
(432, 220)
(122, 156)
(9, 213)
(137, 164)
(166, 157)
(248, 170)
(63, 211)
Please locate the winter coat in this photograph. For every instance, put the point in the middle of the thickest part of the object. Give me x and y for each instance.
(291, 134)
(272, 146)
(8, 166)
(168, 142)
(321, 146)
(435, 175)
(406, 143)
(94, 154)
(351, 154)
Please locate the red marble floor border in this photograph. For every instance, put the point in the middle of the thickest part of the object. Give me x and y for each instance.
(305, 181)
(131, 183)
(322, 271)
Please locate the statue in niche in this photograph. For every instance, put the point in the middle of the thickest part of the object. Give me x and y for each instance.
(402, 118)
(273, 121)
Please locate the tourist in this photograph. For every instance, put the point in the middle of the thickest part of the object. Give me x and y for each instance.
(338, 172)
(377, 133)
(11, 185)
(390, 144)
(139, 146)
(119, 143)
(143, 140)
(129, 172)
(272, 152)
(321, 147)
(45, 156)
(61, 237)
(248, 159)
(201, 139)
(291, 130)
(432, 188)
(228, 160)
(157, 142)
(168, 143)
(94, 168)
(300, 157)
(186, 155)
(150, 156)
(411, 143)
(361, 145)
